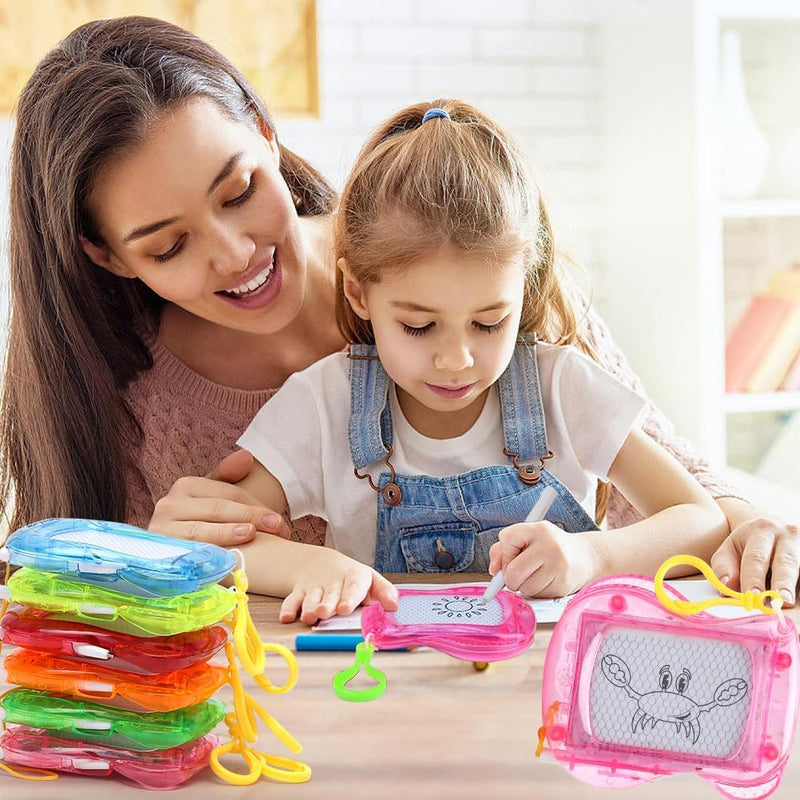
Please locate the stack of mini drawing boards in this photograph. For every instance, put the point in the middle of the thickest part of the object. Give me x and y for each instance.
(115, 629)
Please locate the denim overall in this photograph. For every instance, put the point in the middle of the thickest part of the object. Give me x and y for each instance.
(428, 524)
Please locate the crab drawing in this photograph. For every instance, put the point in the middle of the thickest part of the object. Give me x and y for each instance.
(670, 706)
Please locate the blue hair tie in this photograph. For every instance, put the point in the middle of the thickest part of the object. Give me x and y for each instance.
(434, 112)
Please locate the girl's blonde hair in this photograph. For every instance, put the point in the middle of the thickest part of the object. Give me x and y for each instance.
(461, 182)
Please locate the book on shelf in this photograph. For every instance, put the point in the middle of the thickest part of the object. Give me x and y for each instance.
(765, 341)
(752, 337)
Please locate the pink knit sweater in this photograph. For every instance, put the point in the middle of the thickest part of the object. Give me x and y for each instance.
(190, 423)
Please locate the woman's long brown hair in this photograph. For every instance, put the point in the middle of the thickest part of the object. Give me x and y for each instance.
(76, 332)
(459, 181)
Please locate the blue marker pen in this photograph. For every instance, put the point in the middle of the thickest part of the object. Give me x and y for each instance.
(331, 642)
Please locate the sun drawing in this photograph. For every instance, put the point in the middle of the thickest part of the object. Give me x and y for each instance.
(458, 607)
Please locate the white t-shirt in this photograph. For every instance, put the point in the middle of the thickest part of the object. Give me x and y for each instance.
(301, 436)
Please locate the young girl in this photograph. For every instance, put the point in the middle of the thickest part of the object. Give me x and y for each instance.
(446, 418)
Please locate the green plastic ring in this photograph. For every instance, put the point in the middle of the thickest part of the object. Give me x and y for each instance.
(364, 651)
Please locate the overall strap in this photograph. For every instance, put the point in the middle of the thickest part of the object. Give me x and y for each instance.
(370, 427)
(521, 405)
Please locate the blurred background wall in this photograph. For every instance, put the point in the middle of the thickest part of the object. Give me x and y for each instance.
(621, 105)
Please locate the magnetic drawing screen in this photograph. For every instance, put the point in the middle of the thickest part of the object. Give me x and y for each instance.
(416, 609)
(129, 545)
(681, 694)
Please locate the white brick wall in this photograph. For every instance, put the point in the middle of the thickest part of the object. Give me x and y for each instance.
(447, 12)
(413, 41)
(754, 249)
(532, 64)
(534, 43)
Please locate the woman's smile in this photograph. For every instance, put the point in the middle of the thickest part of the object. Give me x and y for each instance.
(253, 278)
(257, 288)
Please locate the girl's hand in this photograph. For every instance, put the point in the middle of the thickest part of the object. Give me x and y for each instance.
(331, 583)
(540, 560)
(212, 509)
(755, 546)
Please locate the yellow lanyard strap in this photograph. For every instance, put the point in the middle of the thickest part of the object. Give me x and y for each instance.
(242, 728)
(29, 773)
(747, 600)
(251, 651)
(551, 715)
(4, 603)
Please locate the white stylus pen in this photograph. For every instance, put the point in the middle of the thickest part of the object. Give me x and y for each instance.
(537, 514)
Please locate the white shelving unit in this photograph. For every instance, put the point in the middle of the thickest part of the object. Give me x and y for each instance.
(669, 233)
(760, 209)
(768, 401)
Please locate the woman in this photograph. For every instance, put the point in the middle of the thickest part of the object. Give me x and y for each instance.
(170, 268)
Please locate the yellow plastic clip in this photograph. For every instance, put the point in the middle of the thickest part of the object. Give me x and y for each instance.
(29, 773)
(747, 600)
(241, 723)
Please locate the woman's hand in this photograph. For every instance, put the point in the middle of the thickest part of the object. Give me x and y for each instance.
(212, 509)
(331, 583)
(540, 560)
(758, 542)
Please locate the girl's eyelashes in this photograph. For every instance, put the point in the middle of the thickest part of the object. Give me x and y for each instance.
(411, 331)
(422, 329)
(490, 328)
(172, 252)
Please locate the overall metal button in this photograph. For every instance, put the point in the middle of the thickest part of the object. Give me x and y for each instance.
(392, 494)
(529, 474)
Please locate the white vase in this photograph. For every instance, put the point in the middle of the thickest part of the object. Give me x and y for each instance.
(745, 152)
